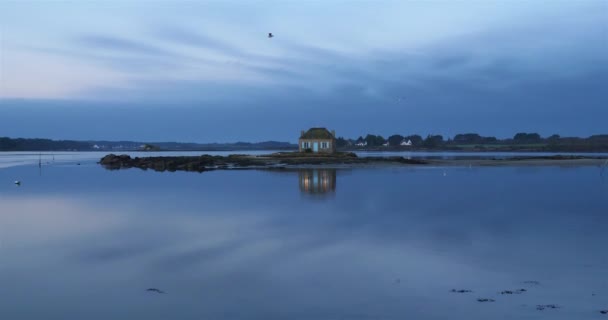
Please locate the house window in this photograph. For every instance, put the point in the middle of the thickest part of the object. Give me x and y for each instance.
(324, 145)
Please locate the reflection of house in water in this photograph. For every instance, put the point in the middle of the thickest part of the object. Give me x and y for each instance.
(317, 181)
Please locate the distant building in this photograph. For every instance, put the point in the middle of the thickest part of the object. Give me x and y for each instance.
(385, 144)
(406, 143)
(361, 144)
(317, 140)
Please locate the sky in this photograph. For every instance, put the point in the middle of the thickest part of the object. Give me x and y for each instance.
(205, 71)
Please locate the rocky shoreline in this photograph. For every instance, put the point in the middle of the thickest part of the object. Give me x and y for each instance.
(239, 161)
(306, 160)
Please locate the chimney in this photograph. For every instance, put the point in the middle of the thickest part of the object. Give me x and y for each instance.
(302, 133)
(333, 133)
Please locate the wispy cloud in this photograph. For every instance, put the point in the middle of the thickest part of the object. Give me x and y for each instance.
(120, 45)
(406, 60)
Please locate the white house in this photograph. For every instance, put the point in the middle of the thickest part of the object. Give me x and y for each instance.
(385, 144)
(406, 143)
(361, 144)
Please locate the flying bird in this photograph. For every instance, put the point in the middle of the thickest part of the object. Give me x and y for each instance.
(17, 182)
(155, 290)
(270, 35)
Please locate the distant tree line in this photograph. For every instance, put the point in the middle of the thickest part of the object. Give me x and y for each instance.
(21, 144)
(467, 141)
(474, 141)
(8, 144)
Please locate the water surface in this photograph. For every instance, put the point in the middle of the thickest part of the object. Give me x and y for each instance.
(82, 242)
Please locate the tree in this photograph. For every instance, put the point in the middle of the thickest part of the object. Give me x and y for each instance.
(395, 140)
(523, 137)
(473, 138)
(373, 140)
(341, 142)
(370, 139)
(415, 139)
(433, 141)
(468, 138)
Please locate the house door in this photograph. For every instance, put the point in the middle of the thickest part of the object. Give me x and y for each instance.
(315, 147)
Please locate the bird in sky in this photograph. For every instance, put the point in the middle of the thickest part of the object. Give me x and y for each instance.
(17, 182)
(270, 35)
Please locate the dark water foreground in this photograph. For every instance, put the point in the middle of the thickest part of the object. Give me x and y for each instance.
(81, 242)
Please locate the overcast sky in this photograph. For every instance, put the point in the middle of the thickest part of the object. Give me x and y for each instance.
(206, 71)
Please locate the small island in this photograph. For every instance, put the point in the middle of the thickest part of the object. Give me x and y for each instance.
(339, 160)
(317, 149)
(241, 161)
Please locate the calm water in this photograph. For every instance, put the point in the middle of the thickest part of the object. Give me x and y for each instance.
(80, 242)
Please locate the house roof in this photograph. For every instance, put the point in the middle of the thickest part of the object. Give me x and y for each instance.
(317, 133)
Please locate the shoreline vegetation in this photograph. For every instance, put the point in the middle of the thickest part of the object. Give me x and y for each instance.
(296, 160)
(468, 142)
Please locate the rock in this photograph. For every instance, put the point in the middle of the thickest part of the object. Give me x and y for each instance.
(604, 312)
(485, 300)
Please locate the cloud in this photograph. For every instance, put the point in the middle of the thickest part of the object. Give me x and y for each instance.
(185, 37)
(120, 45)
(519, 63)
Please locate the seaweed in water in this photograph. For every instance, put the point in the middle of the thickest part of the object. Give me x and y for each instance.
(518, 291)
(461, 291)
(546, 306)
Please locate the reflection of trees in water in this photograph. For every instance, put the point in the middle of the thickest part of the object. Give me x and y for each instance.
(317, 181)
